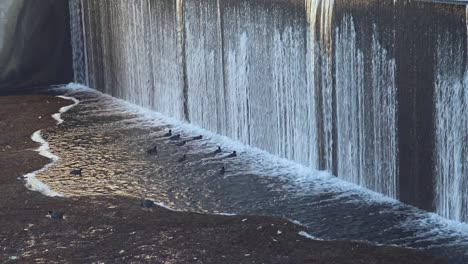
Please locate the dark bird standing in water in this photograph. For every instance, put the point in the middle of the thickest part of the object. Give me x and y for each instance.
(57, 215)
(184, 158)
(147, 204)
(218, 150)
(232, 155)
(153, 150)
(222, 171)
(168, 134)
(180, 144)
(197, 137)
(76, 172)
(175, 137)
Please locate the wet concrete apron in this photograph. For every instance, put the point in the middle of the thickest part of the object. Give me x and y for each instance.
(104, 222)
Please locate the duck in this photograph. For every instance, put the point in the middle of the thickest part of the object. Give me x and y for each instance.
(218, 150)
(222, 170)
(147, 203)
(153, 150)
(184, 158)
(197, 137)
(76, 172)
(168, 134)
(232, 155)
(175, 137)
(57, 215)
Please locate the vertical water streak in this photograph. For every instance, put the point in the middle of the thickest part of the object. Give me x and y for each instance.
(125, 51)
(451, 121)
(98, 45)
(319, 15)
(236, 81)
(142, 45)
(365, 111)
(311, 9)
(116, 48)
(87, 7)
(384, 139)
(77, 41)
(265, 76)
(182, 55)
(326, 80)
(289, 69)
(148, 52)
(204, 58)
(106, 40)
(166, 57)
(350, 105)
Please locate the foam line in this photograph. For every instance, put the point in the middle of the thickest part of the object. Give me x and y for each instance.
(32, 182)
(307, 235)
(58, 116)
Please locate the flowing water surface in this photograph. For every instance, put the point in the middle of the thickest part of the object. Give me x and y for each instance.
(109, 139)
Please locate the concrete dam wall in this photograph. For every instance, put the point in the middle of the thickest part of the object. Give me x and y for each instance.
(34, 44)
(375, 92)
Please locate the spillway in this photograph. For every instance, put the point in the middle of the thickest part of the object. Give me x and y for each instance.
(375, 92)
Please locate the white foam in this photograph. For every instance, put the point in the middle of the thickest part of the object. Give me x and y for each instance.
(32, 182)
(44, 148)
(442, 228)
(58, 116)
(309, 236)
(163, 205)
(225, 214)
(76, 87)
(296, 222)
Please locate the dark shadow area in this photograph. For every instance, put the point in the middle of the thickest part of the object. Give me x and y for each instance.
(39, 50)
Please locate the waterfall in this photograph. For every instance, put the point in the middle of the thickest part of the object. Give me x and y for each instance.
(350, 112)
(315, 81)
(382, 136)
(451, 124)
(265, 77)
(366, 118)
(133, 49)
(204, 62)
